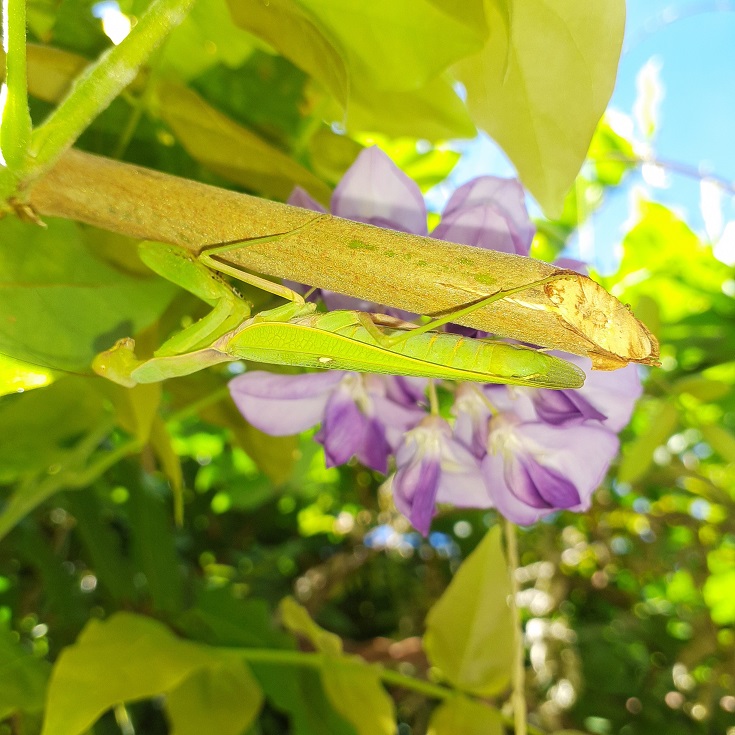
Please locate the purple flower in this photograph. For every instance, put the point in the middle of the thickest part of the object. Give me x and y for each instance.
(362, 416)
(488, 212)
(606, 397)
(532, 468)
(434, 467)
(528, 452)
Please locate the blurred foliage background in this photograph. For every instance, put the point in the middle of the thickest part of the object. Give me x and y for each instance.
(629, 609)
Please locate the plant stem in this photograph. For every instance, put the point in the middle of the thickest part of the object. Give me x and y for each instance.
(319, 660)
(519, 670)
(15, 129)
(95, 89)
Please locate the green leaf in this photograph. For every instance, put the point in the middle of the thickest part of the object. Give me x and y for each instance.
(469, 631)
(60, 304)
(356, 692)
(205, 38)
(353, 45)
(223, 700)
(301, 696)
(433, 111)
(297, 619)
(462, 715)
(231, 150)
(170, 464)
(220, 619)
(541, 84)
(22, 678)
(126, 658)
(721, 440)
(153, 547)
(39, 427)
(103, 544)
(718, 594)
(638, 457)
(17, 376)
(298, 36)
(702, 388)
(135, 408)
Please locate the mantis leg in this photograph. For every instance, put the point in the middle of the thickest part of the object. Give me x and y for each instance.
(209, 256)
(179, 266)
(389, 340)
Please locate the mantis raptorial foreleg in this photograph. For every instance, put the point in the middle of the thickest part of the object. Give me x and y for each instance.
(179, 266)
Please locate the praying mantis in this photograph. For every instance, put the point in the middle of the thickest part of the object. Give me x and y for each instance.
(296, 334)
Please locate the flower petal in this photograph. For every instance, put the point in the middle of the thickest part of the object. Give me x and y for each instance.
(347, 432)
(507, 503)
(581, 454)
(415, 487)
(482, 227)
(281, 405)
(572, 264)
(506, 196)
(609, 397)
(376, 191)
(559, 407)
(300, 198)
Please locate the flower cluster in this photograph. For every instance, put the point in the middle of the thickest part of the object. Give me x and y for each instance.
(527, 452)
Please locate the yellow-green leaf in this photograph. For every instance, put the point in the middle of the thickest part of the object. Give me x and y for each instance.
(224, 700)
(297, 619)
(23, 678)
(469, 631)
(639, 456)
(432, 111)
(541, 84)
(353, 45)
(721, 440)
(356, 692)
(466, 716)
(231, 150)
(126, 658)
(17, 376)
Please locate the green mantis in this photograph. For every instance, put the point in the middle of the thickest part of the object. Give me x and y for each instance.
(296, 334)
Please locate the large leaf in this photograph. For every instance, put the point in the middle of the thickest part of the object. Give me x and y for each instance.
(432, 111)
(356, 692)
(127, 658)
(462, 715)
(469, 631)
(352, 44)
(541, 84)
(232, 150)
(39, 427)
(205, 38)
(60, 304)
(17, 376)
(296, 618)
(22, 678)
(223, 700)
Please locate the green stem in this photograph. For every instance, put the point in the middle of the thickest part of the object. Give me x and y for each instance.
(95, 89)
(319, 660)
(15, 128)
(433, 398)
(193, 408)
(519, 670)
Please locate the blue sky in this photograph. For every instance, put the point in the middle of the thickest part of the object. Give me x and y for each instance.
(694, 43)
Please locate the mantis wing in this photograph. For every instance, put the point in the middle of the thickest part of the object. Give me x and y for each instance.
(339, 341)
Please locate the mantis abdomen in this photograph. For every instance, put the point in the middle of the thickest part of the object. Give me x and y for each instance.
(338, 341)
